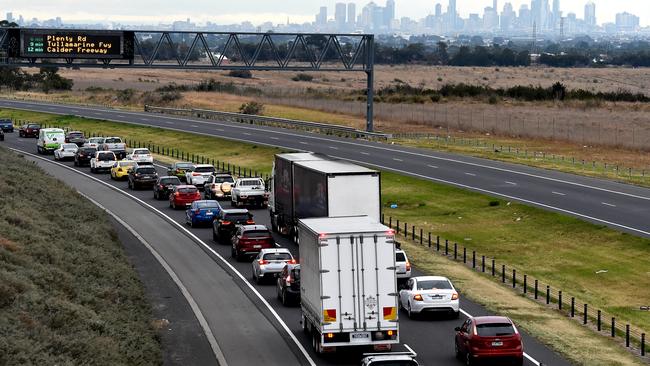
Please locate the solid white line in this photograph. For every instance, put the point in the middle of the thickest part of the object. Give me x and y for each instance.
(559, 193)
(471, 174)
(530, 358)
(218, 353)
(608, 204)
(410, 349)
(511, 183)
(346, 142)
(197, 240)
(500, 195)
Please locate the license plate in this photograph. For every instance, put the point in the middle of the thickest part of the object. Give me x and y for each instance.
(257, 246)
(360, 337)
(497, 344)
(209, 214)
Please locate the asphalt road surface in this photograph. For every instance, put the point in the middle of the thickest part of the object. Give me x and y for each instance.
(246, 331)
(620, 206)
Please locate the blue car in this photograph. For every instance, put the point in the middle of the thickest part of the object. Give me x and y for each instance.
(6, 125)
(202, 212)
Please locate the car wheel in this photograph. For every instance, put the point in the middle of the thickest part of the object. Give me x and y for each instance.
(92, 170)
(285, 300)
(76, 163)
(468, 359)
(155, 195)
(409, 312)
(318, 348)
(457, 350)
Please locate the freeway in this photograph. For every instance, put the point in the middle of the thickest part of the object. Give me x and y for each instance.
(234, 314)
(620, 206)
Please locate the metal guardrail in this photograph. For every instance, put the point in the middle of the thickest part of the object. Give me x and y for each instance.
(269, 121)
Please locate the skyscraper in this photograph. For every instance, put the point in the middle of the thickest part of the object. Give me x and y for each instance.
(557, 14)
(495, 5)
(389, 13)
(590, 14)
(452, 15)
(438, 10)
(352, 15)
(321, 17)
(339, 15)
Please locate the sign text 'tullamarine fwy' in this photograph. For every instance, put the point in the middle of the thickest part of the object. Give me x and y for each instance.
(72, 44)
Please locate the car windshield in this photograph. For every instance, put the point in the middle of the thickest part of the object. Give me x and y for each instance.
(75, 134)
(296, 273)
(106, 157)
(277, 256)
(141, 152)
(207, 205)
(252, 182)
(434, 285)
(174, 181)
(112, 140)
(188, 190)
(495, 330)
(33, 126)
(400, 257)
(222, 179)
(237, 217)
(204, 169)
(257, 234)
(184, 166)
(146, 170)
(96, 140)
(69, 146)
(88, 150)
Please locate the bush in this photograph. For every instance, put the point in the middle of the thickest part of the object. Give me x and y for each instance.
(125, 95)
(493, 99)
(170, 96)
(435, 98)
(244, 74)
(251, 108)
(302, 77)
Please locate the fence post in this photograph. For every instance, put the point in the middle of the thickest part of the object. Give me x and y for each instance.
(536, 289)
(429, 239)
(413, 232)
(493, 270)
(548, 294)
(514, 278)
(455, 251)
(559, 300)
(390, 222)
(382, 218)
(627, 335)
(584, 318)
(421, 237)
(483, 263)
(446, 247)
(406, 230)
(503, 273)
(573, 307)
(642, 344)
(598, 323)
(525, 284)
(397, 226)
(464, 255)
(438, 243)
(613, 327)
(473, 258)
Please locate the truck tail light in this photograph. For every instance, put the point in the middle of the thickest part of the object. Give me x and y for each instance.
(292, 261)
(195, 174)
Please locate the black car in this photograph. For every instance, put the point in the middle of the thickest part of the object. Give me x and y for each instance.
(2, 135)
(29, 130)
(6, 125)
(142, 176)
(75, 137)
(288, 284)
(83, 155)
(163, 186)
(226, 223)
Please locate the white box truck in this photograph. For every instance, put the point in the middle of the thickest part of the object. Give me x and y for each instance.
(310, 185)
(348, 285)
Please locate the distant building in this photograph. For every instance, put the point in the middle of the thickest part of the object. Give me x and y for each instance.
(389, 13)
(10, 17)
(340, 16)
(508, 17)
(438, 10)
(321, 17)
(590, 14)
(352, 15)
(626, 22)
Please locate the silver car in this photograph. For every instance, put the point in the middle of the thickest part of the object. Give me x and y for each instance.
(271, 262)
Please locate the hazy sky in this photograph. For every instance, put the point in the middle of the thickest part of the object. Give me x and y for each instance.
(277, 11)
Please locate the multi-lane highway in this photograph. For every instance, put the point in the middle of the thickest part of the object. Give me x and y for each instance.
(244, 321)
(620, 206)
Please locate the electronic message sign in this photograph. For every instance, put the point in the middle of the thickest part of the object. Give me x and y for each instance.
(72, 44)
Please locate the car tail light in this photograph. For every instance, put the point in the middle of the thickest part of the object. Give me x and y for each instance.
(177, 194)
(454, 296)
(197, 194)
(408, 265)
(289, 279)
(195, 174)
(161, 186)
(292, 261)
(178, 170)
(250, 222)
(224, 222)
(418, 297)
(262, 262)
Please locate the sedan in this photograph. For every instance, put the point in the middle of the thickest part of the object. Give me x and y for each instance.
(270, 262)
(95, 142)
(489, 338)
(83, 156)
(288, 284)
(29, 130)
(164, 186)
(202, 212)
(142, 176)
(183, 196)
(429, 294)
(179, 169)
(141, 156)
(75, 137)
(65, 151)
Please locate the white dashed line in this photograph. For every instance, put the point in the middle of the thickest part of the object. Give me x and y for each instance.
(365, 153)
(169, 122)
(334, 148)
(433, 166)
(145, 119)
(274, 138)
(247, 134)
(511, 183)
(195, 126)
(608, 204)
(559, 193)
(121, 116)
(396, 159)
(219, 129)
(471, 174)
(303, 143)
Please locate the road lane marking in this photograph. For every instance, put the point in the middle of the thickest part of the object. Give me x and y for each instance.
(274, 138)
(334, 148)
(511, 183)
(365, 153)
(559, 193)
(247, 134)
(471, 174)
(303, 143)
(433, 166)
(396, 159)
(169, 122)
(526, 355)
(195, 126)
(121, 116)
(608, 204)
(145, 119)
(196, 240)
(219, 129)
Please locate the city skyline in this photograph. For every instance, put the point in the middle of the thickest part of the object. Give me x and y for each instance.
(296, 11)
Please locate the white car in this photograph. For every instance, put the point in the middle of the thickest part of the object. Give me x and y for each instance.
(271, 262)
(141, 156)
(199, 175)
(402, 264)
(65, 151)
(429, 294)
(94, 142)
(103, 160)
(393, 359)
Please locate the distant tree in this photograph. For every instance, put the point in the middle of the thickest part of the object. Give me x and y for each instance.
(441, 53)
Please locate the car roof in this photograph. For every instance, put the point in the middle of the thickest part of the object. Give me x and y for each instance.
(126, 161)
(236, 211)
(203, 166)
(170, 177)
(400, 251)
(211, 201)
(68, 131)
(254, 227)
(185, 186)
(275, 250)
(491, 319)
(223, 173)
(431, 278)
(183, 162)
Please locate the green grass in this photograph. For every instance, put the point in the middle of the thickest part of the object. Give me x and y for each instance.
(68, 295)
(559, 250)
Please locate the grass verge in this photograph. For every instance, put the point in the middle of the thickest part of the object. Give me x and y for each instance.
(562, 251)
(67, 292)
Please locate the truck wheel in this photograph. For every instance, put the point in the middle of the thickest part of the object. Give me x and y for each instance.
(318, 347)
(305, 327)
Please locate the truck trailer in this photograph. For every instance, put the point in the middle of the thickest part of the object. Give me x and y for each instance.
(348, 286)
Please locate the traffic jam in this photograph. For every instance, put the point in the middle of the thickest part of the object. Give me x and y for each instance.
(348, 283)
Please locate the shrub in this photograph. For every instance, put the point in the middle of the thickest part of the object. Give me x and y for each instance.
(251, 108)
(244, 74)
(170, 96)
(302, 77)
(493, 99)
(125, 95)
(435, 98)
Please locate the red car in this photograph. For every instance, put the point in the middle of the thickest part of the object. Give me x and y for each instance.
(493, 338)
(183, 196)
(249, 240)
(29, 130)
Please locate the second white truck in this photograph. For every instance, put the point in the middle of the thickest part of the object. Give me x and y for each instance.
(348, 285)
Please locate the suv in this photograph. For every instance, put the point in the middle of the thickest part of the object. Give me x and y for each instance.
(225, 225)
(75, 137)
(249, 240)
(115, 145)
(142, 176)
(103, 160)
(270, 261)
(29, 130)
(288, 284)
(489, 338)
(402, 264)
(6, 125)
(94, 142)
(163, 186)
(179, 169)
(141, 156)
(199, 174)
(83, 155)
(183, 196)
(218, 186)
